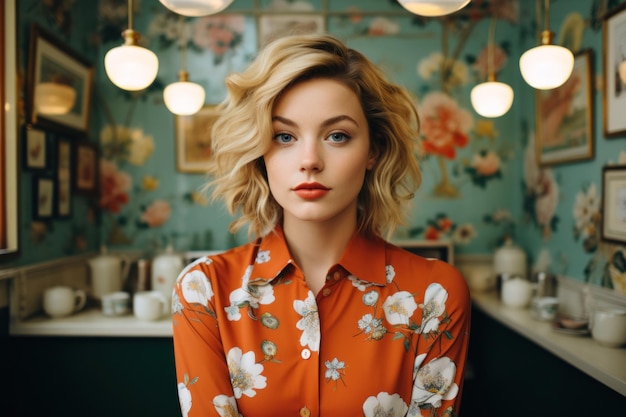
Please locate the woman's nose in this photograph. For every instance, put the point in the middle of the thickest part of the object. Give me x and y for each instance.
(311, 158)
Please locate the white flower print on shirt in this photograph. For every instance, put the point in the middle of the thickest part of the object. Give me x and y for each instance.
(399, 308)
(262, 256)
(196, 288)
(390, 273)
(245, 373)
(384, 405)
(335, 370)
(309, 323)
(226, 406)
(184, 398)
(432, 383)
(434, 306)
(248, 295)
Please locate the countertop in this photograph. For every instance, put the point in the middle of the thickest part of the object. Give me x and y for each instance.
(607, 365)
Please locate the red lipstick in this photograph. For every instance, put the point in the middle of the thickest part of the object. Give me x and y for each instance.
(311, 190)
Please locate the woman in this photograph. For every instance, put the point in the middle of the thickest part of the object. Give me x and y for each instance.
(315, 151)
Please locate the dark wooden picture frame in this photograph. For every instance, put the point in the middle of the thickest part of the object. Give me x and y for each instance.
(63, 191)
(54, 64)
(613, 53)
(43, 197)
(36, 150)
(614, 204)
(85, 162)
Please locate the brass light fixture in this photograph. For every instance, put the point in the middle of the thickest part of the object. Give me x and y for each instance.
(546, 66)
(183, 97)
(491, 98)
(130, 66)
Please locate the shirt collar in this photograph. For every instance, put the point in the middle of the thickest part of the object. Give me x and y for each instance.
(363, 258)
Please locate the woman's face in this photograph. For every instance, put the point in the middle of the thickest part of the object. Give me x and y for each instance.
(319, 154)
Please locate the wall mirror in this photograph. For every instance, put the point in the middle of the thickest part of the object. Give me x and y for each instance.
(9, 165)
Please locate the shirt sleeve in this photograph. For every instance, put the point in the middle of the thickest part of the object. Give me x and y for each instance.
(442, 347)
(203, 381)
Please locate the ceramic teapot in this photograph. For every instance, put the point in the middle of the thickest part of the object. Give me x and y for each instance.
(510, 259)
(108, 273)
(165, 269)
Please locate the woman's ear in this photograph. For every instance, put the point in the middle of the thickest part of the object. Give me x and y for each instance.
(373, 158)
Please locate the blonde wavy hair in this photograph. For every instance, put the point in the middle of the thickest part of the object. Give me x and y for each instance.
(243, 133)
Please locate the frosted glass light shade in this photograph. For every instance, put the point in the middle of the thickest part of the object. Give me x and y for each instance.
(433, 8)
(184, 98)
(196, 7)
(492, 99)
(546, 67)
(131, 67)
(54, 98)
(622, 71)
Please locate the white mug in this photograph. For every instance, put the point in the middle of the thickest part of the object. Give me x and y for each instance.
(608, 327)
(61, 301)
(149, 305)
(517, 292)
(116, 303)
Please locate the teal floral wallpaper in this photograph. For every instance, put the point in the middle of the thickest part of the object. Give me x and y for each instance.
(482, 178)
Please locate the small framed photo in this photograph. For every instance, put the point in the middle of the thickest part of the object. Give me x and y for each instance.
(63, 195)
(276, 25)
(193, 139)
(565, 117)
(85, 163)
(614, 204)
(37, 151)
(614, 55)
(60, 84)
(43, 197)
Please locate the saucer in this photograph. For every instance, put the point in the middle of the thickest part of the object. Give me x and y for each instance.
(559, 327)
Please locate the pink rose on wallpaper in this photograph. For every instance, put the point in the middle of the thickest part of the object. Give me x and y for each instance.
(156, 213)
(444, 125)
(487, 164)
(482, 61)
(114, 187)
(547, 200)
(219, 34)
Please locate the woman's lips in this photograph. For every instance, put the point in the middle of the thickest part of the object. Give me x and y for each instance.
(311, 191)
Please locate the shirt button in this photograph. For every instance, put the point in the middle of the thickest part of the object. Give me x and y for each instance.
(305, 412)
(326, 292)
(337, 275)
(306, 353)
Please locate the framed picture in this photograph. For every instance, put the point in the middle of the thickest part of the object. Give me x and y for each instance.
(565, 117)
(614, 54)
(273, 25)
(60, 84)
(85, 163)
(193, 140)
(9, 151)
(63, 195)
(37, 149)
(43, 197)
(614, 203)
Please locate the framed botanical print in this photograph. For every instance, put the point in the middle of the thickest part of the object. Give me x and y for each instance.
(36, 152)
(565, 117)
(85, 165)
(193, 140)
(43, 197)
(614, 204)
(614, 64)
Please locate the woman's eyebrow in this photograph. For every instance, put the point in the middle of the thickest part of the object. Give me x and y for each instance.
(326, 122)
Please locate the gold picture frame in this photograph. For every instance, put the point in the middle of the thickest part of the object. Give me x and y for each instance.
(564, 118)
(193, 139)
(614, 204)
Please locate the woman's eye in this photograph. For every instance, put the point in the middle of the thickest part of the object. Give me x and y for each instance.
(338, 137)
(283, 137)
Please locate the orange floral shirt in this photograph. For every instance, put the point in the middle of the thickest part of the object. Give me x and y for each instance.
(386, 335)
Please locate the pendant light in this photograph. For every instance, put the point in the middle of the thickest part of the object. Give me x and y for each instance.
(432, 8)
(195, 8)
(491, 98)
(130, 66)
(546, 66)
(183, 98)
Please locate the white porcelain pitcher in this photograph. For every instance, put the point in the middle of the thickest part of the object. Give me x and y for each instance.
(108, 273)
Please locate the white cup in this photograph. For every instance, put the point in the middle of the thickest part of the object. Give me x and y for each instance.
(149, 305)
(545, 308)
(116, 303)
(61, 301)
(516, 292)
(608, 327)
